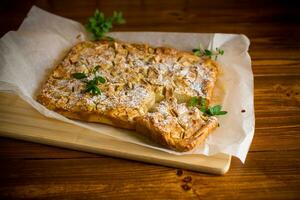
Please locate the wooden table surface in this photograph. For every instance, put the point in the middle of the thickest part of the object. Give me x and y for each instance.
(272, 168)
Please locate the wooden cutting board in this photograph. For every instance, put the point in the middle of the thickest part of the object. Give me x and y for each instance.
(19, 120)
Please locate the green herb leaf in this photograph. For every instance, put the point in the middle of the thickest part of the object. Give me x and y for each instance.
(79, 75)
(202, 106)
(99, 79)
(220, 51)
(93, 89)
(223, 112)
(197, 52)
(98, 25)
(118, 18)
(96, 69)
(194, 101)
(216, 110)
(91, 86)
(208, 53)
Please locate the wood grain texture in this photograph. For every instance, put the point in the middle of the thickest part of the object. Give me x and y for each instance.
(272, 169)
(18, 120)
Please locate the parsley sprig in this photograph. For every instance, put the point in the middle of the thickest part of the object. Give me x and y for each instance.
(201, 104)
(98, 25)
(208, 53)
(91, 85)
(79, 75)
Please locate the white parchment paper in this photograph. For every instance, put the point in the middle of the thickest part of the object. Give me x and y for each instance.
(27, 55)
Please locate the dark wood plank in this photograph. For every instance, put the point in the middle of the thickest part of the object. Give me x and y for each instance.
(276, 67)
(94, 177)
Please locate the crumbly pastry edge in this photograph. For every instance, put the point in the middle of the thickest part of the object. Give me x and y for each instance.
(145, 127)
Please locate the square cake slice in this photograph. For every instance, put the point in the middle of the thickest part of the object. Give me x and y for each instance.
(176, 126)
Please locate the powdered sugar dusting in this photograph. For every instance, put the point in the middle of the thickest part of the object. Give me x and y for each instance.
(132, 73)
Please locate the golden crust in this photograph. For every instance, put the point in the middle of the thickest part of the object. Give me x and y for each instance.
(137, 76)
(89, 117)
